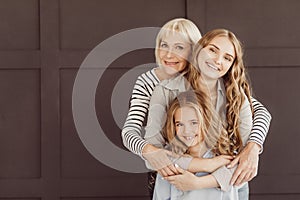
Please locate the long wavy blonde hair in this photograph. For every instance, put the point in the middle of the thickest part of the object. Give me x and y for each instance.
(209, 125)
(236, 85)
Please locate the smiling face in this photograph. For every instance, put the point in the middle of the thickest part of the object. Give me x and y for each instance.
(187, 125)
(215, 59)
(173, 53)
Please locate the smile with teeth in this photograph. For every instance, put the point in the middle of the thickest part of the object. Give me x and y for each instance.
(171, 63)
(213, 67)
(189, 137)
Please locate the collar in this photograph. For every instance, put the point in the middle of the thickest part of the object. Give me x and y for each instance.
(180, 83)
(177, 83)
(221, 86)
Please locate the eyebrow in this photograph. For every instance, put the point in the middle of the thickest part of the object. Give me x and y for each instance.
(191, 120)
(219, 49)
(177, 43)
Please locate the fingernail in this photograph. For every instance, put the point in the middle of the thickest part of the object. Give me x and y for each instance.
(176, 165)
(162, 178)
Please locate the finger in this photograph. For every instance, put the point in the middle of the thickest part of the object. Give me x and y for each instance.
(234, 162)
(168, 172)
(170, 178)
(250, 176)
(173, 169)
(228, 157)
(247, 177)
(253, 174)
(240, 179)
(161, 172)
(181, 171)
(247, 174)
(235, 176)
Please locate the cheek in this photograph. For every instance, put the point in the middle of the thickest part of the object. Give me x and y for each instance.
(178, 131)
(183, 55)
(226, 69)
(161, 53)
(203, 56)
(184, 64)
(195, 128)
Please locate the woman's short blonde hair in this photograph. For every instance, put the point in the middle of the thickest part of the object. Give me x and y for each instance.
(185, 27)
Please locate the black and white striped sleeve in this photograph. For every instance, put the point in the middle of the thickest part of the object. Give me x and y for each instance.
(139, 104)
(261, 123)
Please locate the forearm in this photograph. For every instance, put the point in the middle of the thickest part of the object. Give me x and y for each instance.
(133, 141)
(261, 123)
(207, 181)
(156, 118)
(187, 181)
(132, 129)
(223, 176)
(200, 165)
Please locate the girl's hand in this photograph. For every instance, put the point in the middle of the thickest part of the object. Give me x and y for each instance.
(185, 181)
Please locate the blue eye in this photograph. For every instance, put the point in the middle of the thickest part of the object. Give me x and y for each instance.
(229, 59)
(179, 47)
(178, 124)
(212, 50)
(163, 45)
(194, 123)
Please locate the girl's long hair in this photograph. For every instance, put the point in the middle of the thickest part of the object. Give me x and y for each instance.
(209, 124)
(236, 85)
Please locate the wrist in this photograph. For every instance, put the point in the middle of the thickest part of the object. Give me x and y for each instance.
(197, 183)
(208, 167)
(253, 146)
(148, 148)
(200, 165)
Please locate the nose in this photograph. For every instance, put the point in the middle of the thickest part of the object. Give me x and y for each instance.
(169, 53)
(188, 131)
(218, 60)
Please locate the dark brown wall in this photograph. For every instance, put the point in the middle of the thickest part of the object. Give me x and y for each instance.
(43, 43)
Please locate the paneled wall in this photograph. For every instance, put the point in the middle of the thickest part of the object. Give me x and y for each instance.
(42, 45)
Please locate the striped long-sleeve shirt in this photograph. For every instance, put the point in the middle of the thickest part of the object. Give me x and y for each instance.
(139, 104)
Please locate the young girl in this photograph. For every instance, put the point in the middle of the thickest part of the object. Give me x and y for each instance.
(193, 127)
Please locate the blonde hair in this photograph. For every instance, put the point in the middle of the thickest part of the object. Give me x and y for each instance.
(186, 28)
(209, 123)
(236, 85)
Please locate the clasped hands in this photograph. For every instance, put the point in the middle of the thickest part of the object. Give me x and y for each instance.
(159, 160)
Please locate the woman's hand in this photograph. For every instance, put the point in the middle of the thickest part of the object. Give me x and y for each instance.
(247, 162)
(159, 160)
(218, 161)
